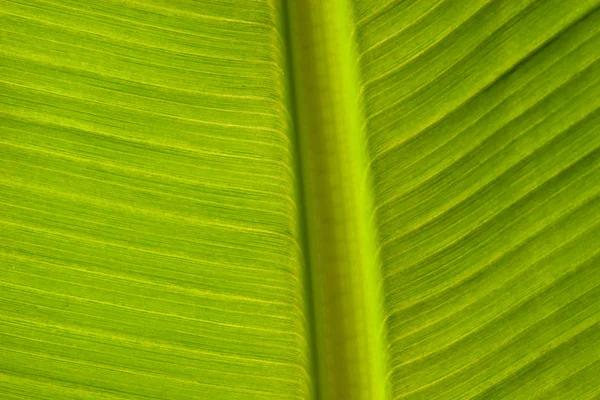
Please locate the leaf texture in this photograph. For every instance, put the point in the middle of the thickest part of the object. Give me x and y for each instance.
(269, 199)
(483, 138)
(149, 245)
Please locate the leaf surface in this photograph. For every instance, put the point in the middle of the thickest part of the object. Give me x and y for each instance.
(263, 199)
(483, 137)
(149, 245)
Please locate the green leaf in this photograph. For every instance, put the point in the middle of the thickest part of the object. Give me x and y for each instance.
(483, 135)
(304, 199)
(148, 207)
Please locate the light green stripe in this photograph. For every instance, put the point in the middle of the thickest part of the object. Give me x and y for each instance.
(341, 239)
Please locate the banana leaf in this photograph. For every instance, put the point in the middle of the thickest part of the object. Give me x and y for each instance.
(299, 199)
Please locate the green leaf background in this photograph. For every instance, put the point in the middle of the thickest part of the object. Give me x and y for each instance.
(303, 199)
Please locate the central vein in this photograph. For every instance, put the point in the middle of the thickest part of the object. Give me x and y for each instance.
(344, 271)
